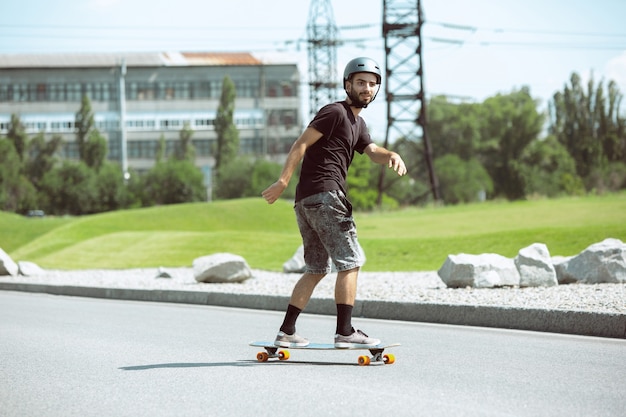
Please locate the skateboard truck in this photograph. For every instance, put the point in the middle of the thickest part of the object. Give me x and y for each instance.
(377, 352)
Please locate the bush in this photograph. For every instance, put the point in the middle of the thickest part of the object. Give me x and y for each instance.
(69, 189)
(462, 181)
(610, 178)
(173, 182)
(547, 169)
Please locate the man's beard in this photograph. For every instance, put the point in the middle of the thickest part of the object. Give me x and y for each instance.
(357, 102)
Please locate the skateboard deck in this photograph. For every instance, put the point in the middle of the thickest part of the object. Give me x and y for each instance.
(378, 356)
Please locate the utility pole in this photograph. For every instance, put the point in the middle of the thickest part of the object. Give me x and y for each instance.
(122, 107)
(404, 81)
(322, 53)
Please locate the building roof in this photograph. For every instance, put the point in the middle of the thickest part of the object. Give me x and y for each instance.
(146, 59)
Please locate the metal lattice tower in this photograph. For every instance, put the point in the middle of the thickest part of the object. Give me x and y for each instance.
(322, 48)
(404, 84)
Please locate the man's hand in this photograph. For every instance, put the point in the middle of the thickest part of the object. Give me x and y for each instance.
(397, 164)
(273, 192)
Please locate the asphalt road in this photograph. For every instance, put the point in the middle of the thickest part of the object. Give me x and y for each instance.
(66, 356)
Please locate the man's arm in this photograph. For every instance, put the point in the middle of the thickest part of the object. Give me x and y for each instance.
(296, 153)
(380, 155)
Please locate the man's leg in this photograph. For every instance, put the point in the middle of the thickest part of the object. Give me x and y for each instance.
(300, 297)
(345, 295)
(303, 289)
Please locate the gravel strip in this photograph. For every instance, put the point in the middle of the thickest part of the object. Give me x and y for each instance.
(412, 287)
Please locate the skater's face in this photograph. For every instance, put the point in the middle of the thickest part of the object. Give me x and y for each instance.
(362, 88)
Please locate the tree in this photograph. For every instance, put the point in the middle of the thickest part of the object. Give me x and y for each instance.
(17, 135)
(17, 194)
(359, 183)
(235, 179)
(455, 128)
(111, 191)
(173, 182)
(185, 150)
(161, 150)
(462, 181)
(508, 124)
(92, 147)
(95, 150)
(412, 189)
(265, 172)
(85, 123)
(227, 133)
(588, 123)
(69, 189)
(547, 169)
(41, 157)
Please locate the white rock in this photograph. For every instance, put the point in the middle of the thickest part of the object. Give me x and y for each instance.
(29, 269)
(603, 262)
(163, 273)
(296, 262)
(535, 266)
(221, 267)
(479, 271)
(7, 266)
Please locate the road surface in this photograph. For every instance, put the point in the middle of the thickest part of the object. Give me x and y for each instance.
(67, 356)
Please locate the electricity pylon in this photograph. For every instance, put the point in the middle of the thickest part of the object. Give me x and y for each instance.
(322, 41)
(404, 81)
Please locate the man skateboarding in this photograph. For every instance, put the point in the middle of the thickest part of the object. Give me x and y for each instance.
(324, 214)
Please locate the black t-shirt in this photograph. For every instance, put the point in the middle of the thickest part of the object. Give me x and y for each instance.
(326, 162)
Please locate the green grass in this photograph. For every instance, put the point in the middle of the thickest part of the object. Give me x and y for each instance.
(265, 235)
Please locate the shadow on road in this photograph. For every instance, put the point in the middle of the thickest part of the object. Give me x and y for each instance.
(219, 364)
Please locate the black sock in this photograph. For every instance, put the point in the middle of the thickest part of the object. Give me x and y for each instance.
(344, 319)
(289, 323)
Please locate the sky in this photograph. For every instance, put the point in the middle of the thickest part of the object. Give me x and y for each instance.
(472, 49)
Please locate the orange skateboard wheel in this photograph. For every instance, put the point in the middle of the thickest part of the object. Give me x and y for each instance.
(262, 356)
(364, 360)
(389, 358)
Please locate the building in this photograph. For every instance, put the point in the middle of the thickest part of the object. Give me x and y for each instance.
(138, 98)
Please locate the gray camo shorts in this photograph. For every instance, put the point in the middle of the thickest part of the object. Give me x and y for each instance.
(328, 233)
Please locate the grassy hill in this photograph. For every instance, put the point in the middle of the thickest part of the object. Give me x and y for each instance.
(266, 235)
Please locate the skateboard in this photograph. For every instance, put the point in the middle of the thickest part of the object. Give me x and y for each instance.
(378, 357)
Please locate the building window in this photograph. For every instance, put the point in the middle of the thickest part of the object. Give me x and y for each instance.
(247, 88)
(287, 90)
(41, 92)
(171, 124)
(202, 146)
(114, 146)
(74, 92)
(20, 92)
(181, 90)
(34, 127)
(66, 126)
(4, 92)
(216, 89)
(142, 149)
(201, 89)
(146, 91)
(70, 150)
(56, 92)
(131, 91)
(204, 123)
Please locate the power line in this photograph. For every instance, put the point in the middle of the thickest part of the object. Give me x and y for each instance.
(142, 33)
(534, 45)
(361, 26)
(526, 31)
